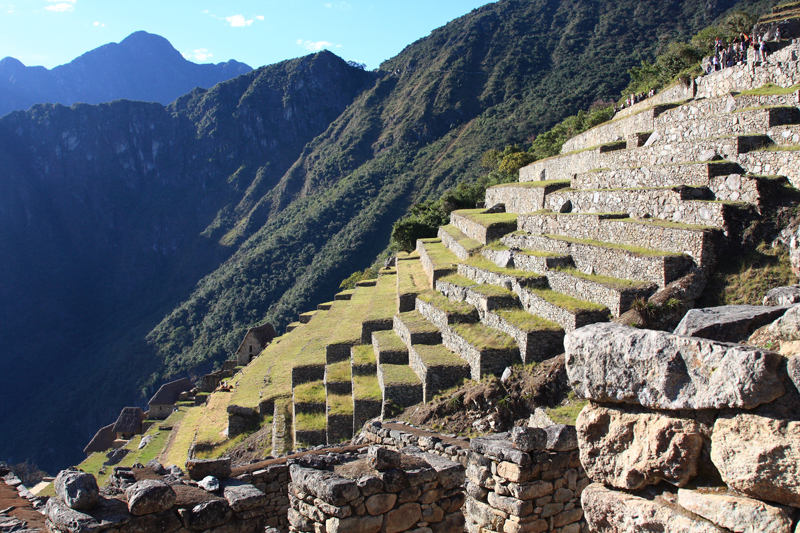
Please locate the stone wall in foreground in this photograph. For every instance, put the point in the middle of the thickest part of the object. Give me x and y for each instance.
(686, 433)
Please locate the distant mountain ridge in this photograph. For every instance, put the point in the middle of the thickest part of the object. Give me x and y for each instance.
(143, 66)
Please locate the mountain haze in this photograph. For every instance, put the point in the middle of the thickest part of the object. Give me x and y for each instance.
(143, 66)
(145, 240)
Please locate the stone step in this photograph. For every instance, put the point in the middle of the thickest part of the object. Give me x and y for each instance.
(367, 399)
(687, 205)
(528, 258)
(344, 295)
(454, 240)
(483, 297)
(613, 293)
(293, 326)
(339, 418)
(363, 361)
(617, 129)
(437, 368)
(309, 397)
(324, 306)
(338, 378)
(564, 167)
(309, 430)
(694, 174)
(400, 387)
(698, 242)
(522, 197)
(411, 280)
(382, 306)
(488, 351)
(537, 339)
(481, 226)
(389, 349)
(413, 328)
(570, 313)
(443, 312)
(481, 270)
(671, 128)
(306, 317)
(436, 259)
(604, 258)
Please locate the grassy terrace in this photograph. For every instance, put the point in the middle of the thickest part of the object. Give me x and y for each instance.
(342, 325)
(668, 224)
(438, 355)
(383, 304)
(365, 354)
(366, 388)
(481, 336)
(214, 422)
(184, 436)
(340, 404)
(338, 372)
(416, 323)
(488, 220)
(407, 256)
(498, 246)
(769, 89)
(411, 278)
(324, 306)
(310, 422)
(312, 392)
(398, 375)
(387, 271)
(566, 302)
(271, 372)
(389, 341)
(525, 321)
(484, 264)
(438, 253)
(470, 244)
(492, 290)
(446, 305)
(458, 280)
(308, 314)
(638, 250)
(608, 281)
(342, 295)
(531, 184)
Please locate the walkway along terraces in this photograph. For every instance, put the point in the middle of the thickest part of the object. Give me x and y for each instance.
(627, 208)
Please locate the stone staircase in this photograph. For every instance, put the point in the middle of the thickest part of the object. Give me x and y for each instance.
(626, 209)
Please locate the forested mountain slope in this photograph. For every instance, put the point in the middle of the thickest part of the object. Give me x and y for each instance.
(144, 240)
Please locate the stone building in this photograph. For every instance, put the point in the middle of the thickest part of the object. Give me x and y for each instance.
(163, 401)
(129, 423)
(102, 440)
(254, 341)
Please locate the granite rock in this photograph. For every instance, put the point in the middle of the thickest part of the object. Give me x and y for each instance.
(727, 323)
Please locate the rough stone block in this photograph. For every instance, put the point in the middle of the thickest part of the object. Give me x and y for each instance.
(78, 490)
(149, 496)
(561, 438)
(783, 296)
(528, 439)
(383, 458)
(615, 363)
(355, 524)
(200, 468)
(499, 448)
(403, 518)
(739, 514)
(727, 323)
(243, 496)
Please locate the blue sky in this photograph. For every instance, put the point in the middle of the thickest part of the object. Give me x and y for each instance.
(53, 32)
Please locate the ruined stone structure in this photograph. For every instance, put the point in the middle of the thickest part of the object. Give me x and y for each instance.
(253, 342)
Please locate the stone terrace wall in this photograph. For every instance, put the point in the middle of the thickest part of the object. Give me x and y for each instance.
(747, 76)
(375, 433)
(616, 130)
(669, 412)
(514, 491)
(676, 92)
(384, 491)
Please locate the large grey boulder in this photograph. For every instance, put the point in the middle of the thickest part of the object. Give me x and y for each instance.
(77, 489)
(528, 439)
(758, 456)
(149, 496)
(787, 327)
(785, 296)
(629, 450)
(727, 323)
(499, 448)
(615, 363)
(381, 458)
(67, 519)
(610, 511)
(206, 515)
(737, 513)
(243, 496)
(200, 468)
(561, 438)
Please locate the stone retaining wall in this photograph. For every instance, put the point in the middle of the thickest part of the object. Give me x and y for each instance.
(780, 163)
(364, 410)
(482, 361)
(616, 130)
(519, 198)
(432, 270)
(309, 437)
(441, 319)
(676, 127)
(500, 279)
(425, 492)
(375, 433)
(453, 245)
(569, 320)
(514, 491)
(747, 76)
(401, 394)
(307, 373)
(698, 174)
(435, 377)
(677, 92)
(480, 233)
(534, 346)
(617, 300)
(699, 244)
(339, 428)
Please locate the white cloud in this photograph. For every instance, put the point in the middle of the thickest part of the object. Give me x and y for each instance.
(260, 17)
(340, 5)
(238, 21)
(60, 7)
(317, 46)
(202, 54)
(99, 24)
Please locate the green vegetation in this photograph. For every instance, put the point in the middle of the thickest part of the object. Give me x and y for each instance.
(439, 254)
(744, 279)
(389, 341)
(458, 280)
(312, 392)
(668, 224)
(399, 375)
(347, 292)
(488, 220)
(434, 355)
(214, 421)
(445, 304)
(492, 291)
(567, 414)
(340, 404)
(364, 354)
(384, 299)
(484, 264)
(337, 372)
(566, 302)
(525, 321)
(185, 432)
(366, 388)
(534, 184)
(310, 421)
(769, 89)
(483, 337)
(470, 244)
(411, 278)
(416, 323)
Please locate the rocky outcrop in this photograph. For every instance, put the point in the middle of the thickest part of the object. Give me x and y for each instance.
(76, 489)
(728, 323)
(616, 363)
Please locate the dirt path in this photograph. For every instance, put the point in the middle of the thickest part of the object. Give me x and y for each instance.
(23, 510)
